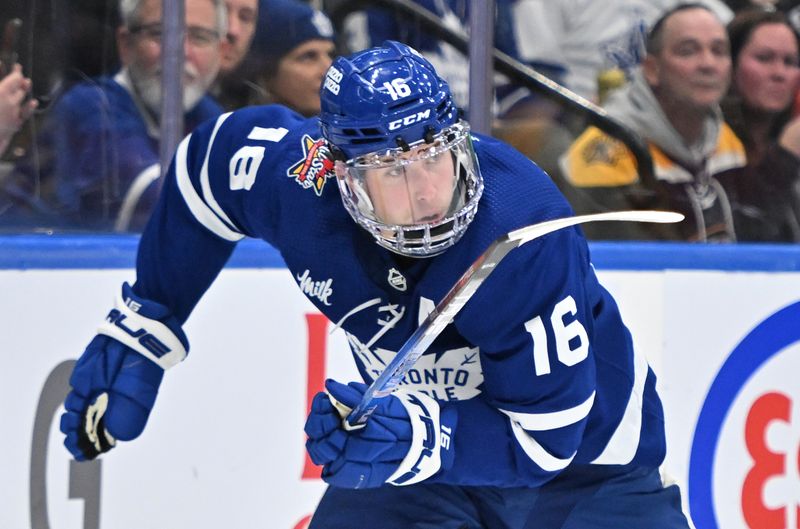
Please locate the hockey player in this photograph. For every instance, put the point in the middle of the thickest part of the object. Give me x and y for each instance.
(535, 405)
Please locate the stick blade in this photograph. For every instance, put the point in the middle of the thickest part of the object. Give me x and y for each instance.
(529, 233)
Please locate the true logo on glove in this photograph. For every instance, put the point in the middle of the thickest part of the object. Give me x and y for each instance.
(148, 341)
(428, 444)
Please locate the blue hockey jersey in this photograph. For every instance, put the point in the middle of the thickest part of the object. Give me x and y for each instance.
(538, 365)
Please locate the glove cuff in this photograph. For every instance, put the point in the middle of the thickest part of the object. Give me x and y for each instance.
(147, 328)
(431, 448)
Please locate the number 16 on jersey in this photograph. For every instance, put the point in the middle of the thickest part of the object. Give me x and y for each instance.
(466, 286)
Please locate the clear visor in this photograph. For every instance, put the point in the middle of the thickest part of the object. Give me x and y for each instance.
(416, 201)
(421, 185)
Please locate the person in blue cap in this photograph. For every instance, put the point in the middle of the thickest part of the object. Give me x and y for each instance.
(291, 51)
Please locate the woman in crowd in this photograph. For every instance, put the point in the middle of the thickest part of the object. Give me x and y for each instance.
(291, 51)
(765, 194)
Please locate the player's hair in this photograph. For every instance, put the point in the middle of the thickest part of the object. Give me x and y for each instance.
(130, 14)
(654, 43)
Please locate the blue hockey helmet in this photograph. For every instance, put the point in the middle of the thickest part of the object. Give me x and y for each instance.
(381, 98)
(391, 124)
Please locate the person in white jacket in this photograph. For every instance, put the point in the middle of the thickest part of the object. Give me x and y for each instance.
(587, 37)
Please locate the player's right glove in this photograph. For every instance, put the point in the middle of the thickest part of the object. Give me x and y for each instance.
(405, 440)
(116, 379)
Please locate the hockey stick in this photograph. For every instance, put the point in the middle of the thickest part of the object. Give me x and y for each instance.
(463, 290)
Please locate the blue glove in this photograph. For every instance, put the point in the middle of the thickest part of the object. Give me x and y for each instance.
(116, 379)
(407, 439)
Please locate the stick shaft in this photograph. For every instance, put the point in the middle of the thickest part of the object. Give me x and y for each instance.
(465, 288)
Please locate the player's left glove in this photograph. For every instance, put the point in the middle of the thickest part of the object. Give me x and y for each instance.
(407, 439)
(116, 379)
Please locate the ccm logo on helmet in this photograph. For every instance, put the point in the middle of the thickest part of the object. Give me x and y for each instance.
(409, 120)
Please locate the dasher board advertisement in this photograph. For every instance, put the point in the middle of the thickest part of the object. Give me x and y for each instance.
(225, 444)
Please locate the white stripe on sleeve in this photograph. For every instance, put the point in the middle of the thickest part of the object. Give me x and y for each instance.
(622, 446)
(199, 209)
(538, 422)
(537, 452)
(204, 182)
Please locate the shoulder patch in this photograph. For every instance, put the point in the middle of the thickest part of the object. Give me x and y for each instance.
(601, 149)
(316, 166)
(598, 160)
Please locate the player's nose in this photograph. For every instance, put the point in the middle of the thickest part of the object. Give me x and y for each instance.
(423, 184)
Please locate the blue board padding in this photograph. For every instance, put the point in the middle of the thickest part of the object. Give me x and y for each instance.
(40, 251)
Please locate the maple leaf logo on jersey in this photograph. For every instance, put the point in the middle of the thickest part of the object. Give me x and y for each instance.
(315, 167)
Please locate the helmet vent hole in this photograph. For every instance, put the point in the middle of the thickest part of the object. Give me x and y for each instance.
(401, 104)
(364, 141)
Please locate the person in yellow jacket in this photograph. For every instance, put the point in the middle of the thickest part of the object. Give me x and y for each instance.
(673, 103)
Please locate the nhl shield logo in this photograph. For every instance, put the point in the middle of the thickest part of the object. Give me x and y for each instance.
(316, 166)
(397, 280)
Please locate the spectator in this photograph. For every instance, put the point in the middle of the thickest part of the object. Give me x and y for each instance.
(15, 108)
(242, 17)
(764, 193)
(102, 135)
(790, 8)
(232, 89)
(744, 5)
(292, 50)
(673, 103)
(596, 42)
(373, 26)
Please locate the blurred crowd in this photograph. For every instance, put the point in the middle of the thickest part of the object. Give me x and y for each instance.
(712, 88)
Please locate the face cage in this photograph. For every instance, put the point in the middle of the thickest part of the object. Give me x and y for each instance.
(424, 239)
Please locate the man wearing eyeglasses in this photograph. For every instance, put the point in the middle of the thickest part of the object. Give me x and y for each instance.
(139, 41)
(101, 141)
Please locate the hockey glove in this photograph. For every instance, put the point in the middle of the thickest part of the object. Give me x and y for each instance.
(407, 439)
(116, 379)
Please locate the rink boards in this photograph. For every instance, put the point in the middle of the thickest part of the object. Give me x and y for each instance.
(224, 447)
